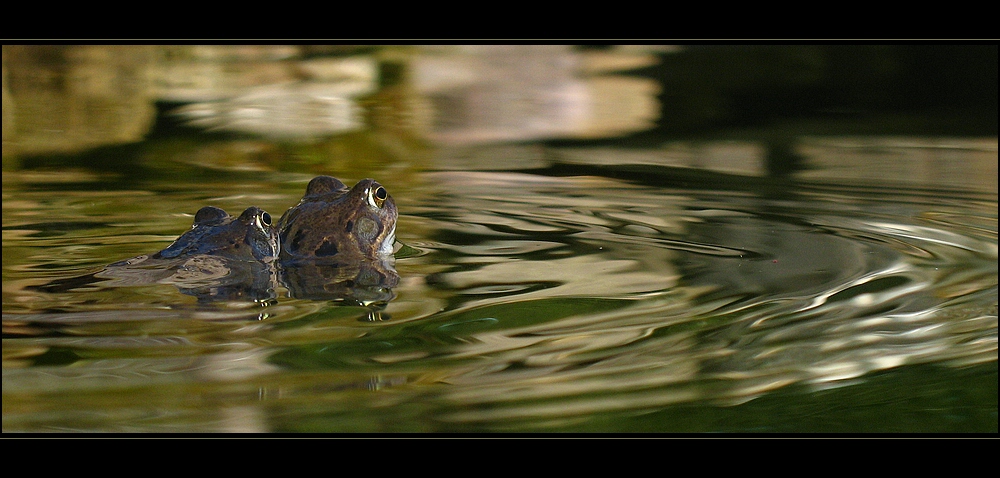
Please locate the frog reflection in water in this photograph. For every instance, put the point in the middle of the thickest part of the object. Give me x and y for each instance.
(220, 258)
(337, 242)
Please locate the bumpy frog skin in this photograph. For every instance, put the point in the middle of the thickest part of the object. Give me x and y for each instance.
(248, 237)
(333, 220)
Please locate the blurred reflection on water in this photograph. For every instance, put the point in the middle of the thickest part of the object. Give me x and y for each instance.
(541, 287)
(457, 95)
(684, 296)
(531, 297)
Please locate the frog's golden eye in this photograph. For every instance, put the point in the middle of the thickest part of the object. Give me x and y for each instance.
(378, 196)
(266, 219)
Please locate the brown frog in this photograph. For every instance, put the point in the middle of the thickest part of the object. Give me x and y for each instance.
(334, 221)
(337, 243)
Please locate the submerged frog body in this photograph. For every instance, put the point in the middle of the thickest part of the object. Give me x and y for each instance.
(335, 223)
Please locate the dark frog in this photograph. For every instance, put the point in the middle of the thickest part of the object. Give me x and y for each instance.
(337, 242)
(249, 237)
(220, 258)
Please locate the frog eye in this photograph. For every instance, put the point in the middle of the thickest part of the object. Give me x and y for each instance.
(257, 217)
(378, 196)
(263, 220)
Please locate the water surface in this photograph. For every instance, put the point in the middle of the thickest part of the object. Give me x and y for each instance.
(580, 296)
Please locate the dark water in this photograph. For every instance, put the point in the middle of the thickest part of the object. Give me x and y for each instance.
(542, 288)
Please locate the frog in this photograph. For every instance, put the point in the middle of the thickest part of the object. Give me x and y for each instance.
(337, 243)
(336, 223)
(249, 237)
(220, 258)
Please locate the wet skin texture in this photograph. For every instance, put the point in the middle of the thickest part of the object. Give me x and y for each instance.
(248, 237)
(334, 221)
